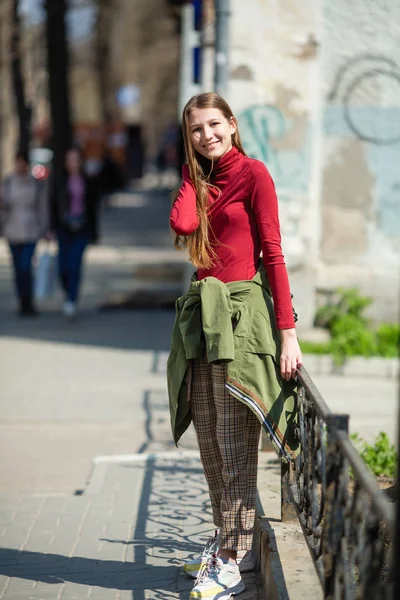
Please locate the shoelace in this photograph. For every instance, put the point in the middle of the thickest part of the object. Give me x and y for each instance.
(211, 545)
(209, 570)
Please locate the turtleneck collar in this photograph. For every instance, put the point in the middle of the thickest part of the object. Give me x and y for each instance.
(221, 166)
(226, 162)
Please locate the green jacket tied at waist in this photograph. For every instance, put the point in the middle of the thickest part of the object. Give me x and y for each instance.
(234, 323)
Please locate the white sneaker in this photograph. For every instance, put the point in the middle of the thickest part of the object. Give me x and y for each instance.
(218, 580)
(245, 559)
(69, 309)
(194, 566)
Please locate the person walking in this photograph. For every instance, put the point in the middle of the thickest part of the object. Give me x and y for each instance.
(234, 350)
(24, 204)
(75, 221)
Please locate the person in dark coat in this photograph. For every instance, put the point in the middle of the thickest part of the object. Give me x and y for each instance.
(75, 203)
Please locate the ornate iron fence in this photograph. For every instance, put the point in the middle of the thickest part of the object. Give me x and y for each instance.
(347, 520)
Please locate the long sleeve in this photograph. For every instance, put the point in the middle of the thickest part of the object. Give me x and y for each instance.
(265, 206)
(184, 219)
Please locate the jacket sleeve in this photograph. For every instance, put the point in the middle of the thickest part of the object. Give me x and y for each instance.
(184, 219)
(265, 206)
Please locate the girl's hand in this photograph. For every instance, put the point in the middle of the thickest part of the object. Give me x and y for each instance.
(291, 357)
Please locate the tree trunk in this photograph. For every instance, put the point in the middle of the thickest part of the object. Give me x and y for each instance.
(58, 88)
(23, 110)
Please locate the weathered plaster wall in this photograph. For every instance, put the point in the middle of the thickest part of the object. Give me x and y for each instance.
(360, 200)
(316, 86)
(272, 90)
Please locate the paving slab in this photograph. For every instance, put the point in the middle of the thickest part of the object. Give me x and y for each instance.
(127, 536)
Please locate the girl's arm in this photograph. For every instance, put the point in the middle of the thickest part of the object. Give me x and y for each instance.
(265, 207)
(183, 218)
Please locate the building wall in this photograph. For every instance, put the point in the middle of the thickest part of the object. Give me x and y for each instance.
(273, 81)
(316, 87)
(360, 201)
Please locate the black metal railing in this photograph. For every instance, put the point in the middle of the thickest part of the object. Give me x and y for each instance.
(347, 521)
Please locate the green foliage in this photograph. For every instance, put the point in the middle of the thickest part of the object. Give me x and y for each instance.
(350, 330)
(388, 340)
(380, 456)
(350, 337)
(347, 302)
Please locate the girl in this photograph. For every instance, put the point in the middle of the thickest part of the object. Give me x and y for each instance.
(26, 219)
(234, 352)
(75, 205)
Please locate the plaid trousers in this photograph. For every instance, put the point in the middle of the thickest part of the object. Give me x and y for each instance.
(228, 434)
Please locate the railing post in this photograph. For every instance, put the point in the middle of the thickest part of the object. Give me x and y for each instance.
(288, 511)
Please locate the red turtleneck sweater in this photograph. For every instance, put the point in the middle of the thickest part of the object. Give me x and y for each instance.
(243, 223)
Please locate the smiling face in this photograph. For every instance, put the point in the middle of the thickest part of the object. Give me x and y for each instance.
(210, 132)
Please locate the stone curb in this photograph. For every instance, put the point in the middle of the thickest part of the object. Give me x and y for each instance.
(285, 565)
(286, 568)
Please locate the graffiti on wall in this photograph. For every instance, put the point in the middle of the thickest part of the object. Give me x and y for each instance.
(283, 145)
(364, 103)
(266, 135)
(354, 81)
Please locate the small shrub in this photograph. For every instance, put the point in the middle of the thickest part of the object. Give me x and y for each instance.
(350, 337)
(348, 302)
(351, 333)
(388, 340)
(380, 456)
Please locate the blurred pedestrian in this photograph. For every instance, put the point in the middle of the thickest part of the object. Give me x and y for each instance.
(234, 353)
(25, 210)
(75, 221)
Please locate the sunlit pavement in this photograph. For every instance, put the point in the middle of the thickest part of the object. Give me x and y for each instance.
(74, 392)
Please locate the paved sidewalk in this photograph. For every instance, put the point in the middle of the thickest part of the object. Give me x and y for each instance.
(72, 392)
(125, 538)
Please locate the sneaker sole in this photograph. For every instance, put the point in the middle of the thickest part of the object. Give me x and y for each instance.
(233, 591)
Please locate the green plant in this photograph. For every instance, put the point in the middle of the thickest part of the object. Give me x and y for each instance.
(345, 302)
(350, 330)
(380, 456)
(350, 337)
(388, 340)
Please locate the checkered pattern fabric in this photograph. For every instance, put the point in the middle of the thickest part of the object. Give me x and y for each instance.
(228, 434)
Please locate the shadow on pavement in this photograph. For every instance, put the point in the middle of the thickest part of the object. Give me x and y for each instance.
(171, 519)
(124, 329)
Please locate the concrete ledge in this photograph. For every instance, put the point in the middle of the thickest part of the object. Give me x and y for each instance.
(357, 366)
(286, 568)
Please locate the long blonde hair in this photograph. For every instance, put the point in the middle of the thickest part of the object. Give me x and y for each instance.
(198, 244)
